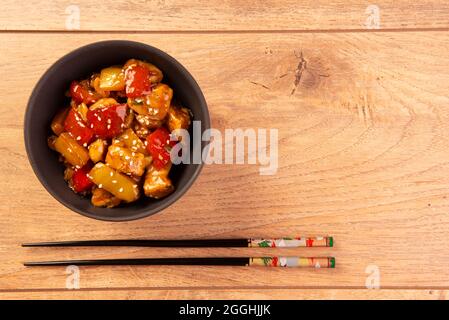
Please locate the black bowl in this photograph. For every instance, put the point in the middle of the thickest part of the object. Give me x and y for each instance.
(49, 95)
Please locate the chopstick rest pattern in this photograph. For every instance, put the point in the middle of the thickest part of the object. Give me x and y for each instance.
(292, 242)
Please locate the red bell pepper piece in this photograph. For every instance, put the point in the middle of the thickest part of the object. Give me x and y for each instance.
(137, 81)
(107, 122)
(77, 128)
(159, 146)
(80, 179)
(80, 92)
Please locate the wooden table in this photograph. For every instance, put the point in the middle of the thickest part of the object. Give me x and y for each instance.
(360, 95)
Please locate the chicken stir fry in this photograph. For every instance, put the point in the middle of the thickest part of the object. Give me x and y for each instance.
(114, 137)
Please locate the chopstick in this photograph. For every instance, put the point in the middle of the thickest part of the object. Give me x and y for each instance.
(300, 262)
(317, 262)
(196, 243)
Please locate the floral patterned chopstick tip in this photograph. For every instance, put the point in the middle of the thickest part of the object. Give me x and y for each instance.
(292, 242)
(292, 262)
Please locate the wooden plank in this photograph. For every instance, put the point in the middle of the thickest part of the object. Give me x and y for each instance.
(277, 294)
(157, 15)
(363, 156)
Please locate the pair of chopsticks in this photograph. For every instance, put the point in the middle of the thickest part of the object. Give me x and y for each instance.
(317, 262)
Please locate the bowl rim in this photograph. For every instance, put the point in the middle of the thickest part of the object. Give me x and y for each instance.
(179, 192)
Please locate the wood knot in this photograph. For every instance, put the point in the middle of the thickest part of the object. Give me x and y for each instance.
(307, 75)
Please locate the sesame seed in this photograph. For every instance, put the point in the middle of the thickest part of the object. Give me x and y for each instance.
(126, 136)
(85, 144)
(78, 138)
(120, 190)
(91, 126)
(127, 157)
(109, 126)
(111, 174)
(134, 142)
(114, 181)
(100, 186)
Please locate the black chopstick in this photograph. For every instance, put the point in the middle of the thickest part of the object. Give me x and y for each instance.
(196, 243)
(151, 261)
(217, 243)
(322, 262)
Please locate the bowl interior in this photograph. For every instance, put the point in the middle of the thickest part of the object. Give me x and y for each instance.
(49, 96)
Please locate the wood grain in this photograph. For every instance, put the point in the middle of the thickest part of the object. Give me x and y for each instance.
(281, 294)
(230, 15)
(362, 154)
